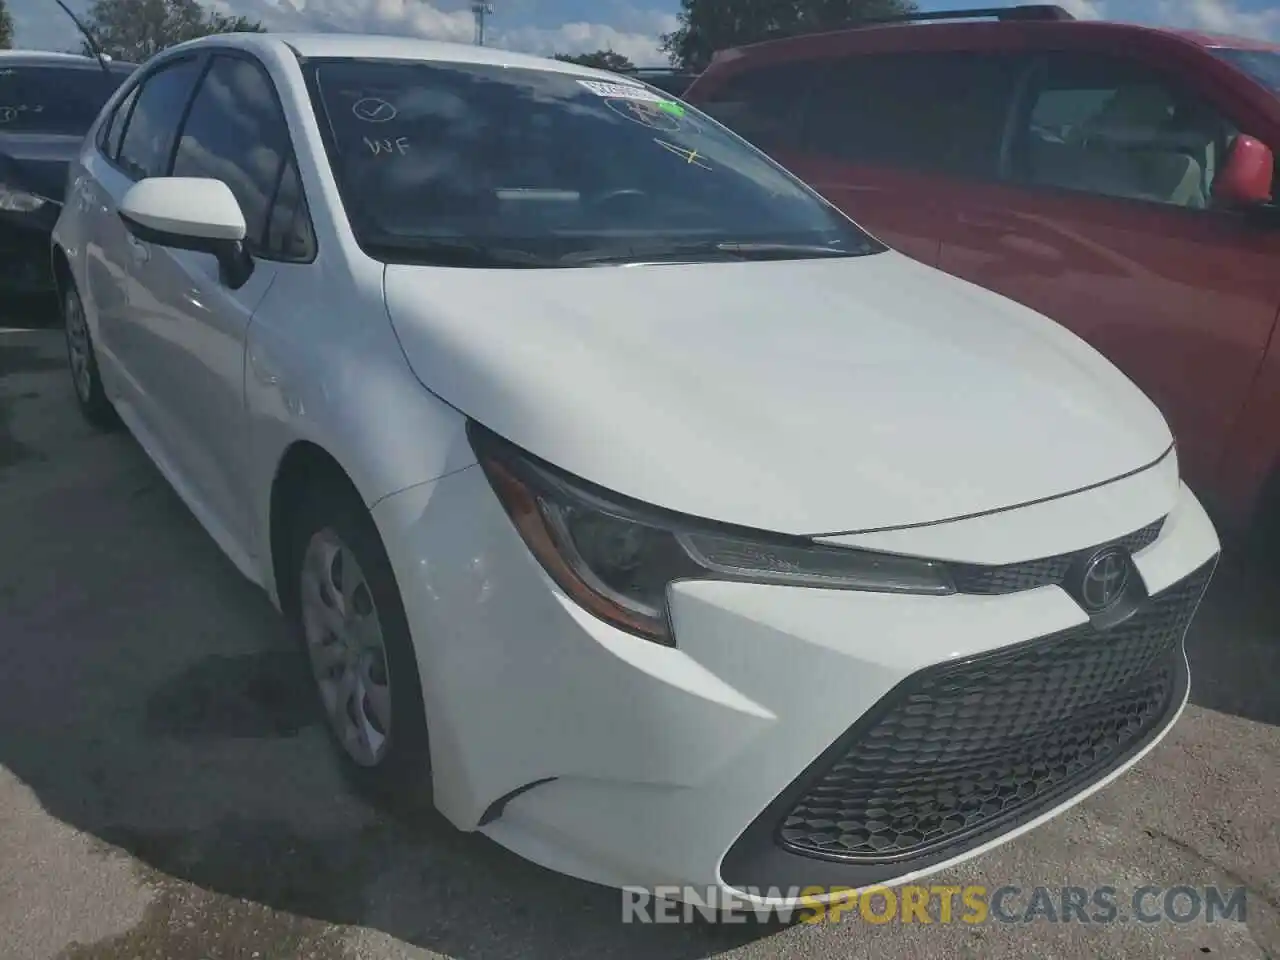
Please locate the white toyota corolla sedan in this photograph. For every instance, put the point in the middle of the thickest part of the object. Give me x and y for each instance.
(633, 505)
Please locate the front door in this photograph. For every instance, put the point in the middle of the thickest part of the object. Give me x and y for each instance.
(191, 325)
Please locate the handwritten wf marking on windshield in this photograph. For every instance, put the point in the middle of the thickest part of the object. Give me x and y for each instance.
(688, 156)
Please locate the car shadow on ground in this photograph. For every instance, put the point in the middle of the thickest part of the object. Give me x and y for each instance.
(149, 698)
(37, 311)
(1234, 642)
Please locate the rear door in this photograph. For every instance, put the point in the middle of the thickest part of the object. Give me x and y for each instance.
(1106, 224)
(137, 144)
(106, 266)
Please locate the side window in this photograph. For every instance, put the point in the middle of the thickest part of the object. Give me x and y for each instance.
(888, 110)
(1117, 128)
(761, 106)
(289, 235)
(237, 133)
(153, 122)
(109, 142)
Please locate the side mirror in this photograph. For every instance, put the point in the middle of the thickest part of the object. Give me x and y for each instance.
(1245, 179)
(191, 213)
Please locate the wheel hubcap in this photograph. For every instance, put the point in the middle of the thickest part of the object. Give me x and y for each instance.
(345, 644)
(78, 347)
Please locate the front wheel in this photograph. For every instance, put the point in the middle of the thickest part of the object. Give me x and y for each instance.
(346, 610)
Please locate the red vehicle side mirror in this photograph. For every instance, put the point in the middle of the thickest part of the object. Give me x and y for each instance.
(1245, 179)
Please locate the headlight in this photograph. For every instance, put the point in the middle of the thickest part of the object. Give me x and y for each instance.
(616, 557)
(14, 200)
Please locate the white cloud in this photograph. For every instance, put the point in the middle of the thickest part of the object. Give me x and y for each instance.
(633, 32)
(1085, 9)
(1212, 16)
(635, 35)
(1220, 16)
(403, 17)
(641, 47)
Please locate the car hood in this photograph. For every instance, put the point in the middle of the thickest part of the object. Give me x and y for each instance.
(37, 163)
(804, 396)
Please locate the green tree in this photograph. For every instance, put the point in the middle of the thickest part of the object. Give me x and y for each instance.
(601, 60)
(710, 25)
(134, 30)
(6, 27)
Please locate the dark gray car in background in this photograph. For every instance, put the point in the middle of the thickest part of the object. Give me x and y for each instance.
(47, 103)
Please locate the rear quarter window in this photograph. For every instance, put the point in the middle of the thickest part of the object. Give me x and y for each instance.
(114, 130)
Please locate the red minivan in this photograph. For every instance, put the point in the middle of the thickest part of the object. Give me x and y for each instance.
(1118, 178)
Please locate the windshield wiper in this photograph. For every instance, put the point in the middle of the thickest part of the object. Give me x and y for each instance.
(450, 252)
(703, 250)
(783, 251)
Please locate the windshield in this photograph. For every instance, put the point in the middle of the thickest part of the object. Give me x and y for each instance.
(1262, 65)
(53, 100)
(538, 168)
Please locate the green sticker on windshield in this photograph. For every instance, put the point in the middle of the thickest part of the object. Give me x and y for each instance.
(671, 107)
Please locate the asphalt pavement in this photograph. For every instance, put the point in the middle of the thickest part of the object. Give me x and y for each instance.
(166, 791)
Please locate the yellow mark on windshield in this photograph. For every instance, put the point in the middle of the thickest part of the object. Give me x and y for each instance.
(688, 156)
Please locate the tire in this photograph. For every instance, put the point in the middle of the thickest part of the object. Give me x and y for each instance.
(330, 524)
(82, 361)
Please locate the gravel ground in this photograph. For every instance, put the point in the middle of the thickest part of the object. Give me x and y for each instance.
(166, 792)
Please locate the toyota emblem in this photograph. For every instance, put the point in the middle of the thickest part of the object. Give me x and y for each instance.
(1105, 577)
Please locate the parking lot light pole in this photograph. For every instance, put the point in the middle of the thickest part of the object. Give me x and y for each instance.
(482, 12)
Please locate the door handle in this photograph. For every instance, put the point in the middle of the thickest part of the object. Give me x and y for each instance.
(141, 252)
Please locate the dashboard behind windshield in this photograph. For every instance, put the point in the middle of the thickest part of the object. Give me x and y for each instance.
(548, 166)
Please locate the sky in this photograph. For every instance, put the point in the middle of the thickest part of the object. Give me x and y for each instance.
(631, 27)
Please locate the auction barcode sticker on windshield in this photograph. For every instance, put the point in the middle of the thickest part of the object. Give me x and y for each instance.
(621, 91)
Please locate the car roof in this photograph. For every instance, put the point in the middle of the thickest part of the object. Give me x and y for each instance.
(360, 46)
(49, 58)
(830, 41)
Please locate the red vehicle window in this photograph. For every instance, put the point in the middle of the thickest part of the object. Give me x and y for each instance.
(1117, 129)
(946, 113)
(1262, 65)
(762, 106)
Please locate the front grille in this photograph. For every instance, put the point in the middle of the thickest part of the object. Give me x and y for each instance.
(955, 751)
(1046, 571)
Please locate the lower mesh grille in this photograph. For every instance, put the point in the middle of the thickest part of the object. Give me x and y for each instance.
(954, 751)
(1046, 571)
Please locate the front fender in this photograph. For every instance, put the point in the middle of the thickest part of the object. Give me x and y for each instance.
(323, 366)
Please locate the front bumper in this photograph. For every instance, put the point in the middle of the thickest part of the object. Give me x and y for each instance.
(604, 756)
(961, 753)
